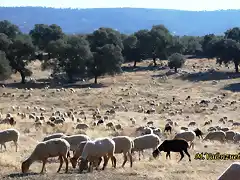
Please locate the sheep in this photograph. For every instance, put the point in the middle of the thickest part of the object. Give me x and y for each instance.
(189, 136)
(174, 145)
(145, 142)
(77, 153)
(167, 128)
(157, 131)
(101, 121)
(110, 125)
(74, 140)
(230, 135)
(93, 150)
(52, 136)
(9, 120)
(124, 144)
(236, 138)
(82, 126)
(198, 133)
(9, 135)
(216, 135)
(193, 123)
(46, 149)
(231, 173)
(184, 128)
(224, 129)
(147, 130)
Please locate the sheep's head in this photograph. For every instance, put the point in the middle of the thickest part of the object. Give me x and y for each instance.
(155, 153)
(73, 162)
(83, 164)
(25, 166)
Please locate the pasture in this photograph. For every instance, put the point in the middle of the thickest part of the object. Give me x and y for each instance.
(127, 94)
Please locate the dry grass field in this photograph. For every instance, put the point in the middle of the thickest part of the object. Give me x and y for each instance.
(149, 89)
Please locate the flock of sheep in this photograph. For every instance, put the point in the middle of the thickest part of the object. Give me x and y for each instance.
(88, 153)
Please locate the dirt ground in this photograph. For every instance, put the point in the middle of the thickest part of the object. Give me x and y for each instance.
(146, 87)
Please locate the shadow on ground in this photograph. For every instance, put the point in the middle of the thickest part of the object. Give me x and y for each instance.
(232, 87)
(209, 76)
(40, 85)
(19, 175)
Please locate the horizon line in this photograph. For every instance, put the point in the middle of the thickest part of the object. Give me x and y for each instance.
(78, 8)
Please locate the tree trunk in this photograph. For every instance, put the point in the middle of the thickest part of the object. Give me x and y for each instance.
(175, 68)
(135, 63)
(95, 79)
(236, 67)
(154, 62)
(23, 81)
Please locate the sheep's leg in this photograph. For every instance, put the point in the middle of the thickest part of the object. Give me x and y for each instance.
(90, 168)
(43, 165)
(130, 159)
(106, 158)
(142, 154)
(99, 162)
(61, 163)
(192, 144)
(16, 145)
(114, 161)
(182, 155)
(125, 159)
(139, 155)
(187, 154)
(5, 147)
(168, 154)
(66, 162)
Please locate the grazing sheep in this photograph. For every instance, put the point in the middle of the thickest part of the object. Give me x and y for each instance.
(93, 150)
(224, 129)
(9, 135)
(174, 145)
(231, 173)
(198, 133)
(124, 144)
(184, 128)
(52, 136)
(101, 121)
(147, 130)
(118, 126)
(167, 128)
(77, 153)
(216, 135)
(193, 123)
(143, 142)
(236, 138)
(82, 126)
(8, 120)
(110, 125)
(157, 131)
(44, 150)
(230, 135)
(212, 129)
(74, 140)
(189, 136)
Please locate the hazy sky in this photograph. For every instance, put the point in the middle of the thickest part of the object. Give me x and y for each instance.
(165, 4)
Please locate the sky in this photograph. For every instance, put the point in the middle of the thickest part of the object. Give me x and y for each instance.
(192, 5)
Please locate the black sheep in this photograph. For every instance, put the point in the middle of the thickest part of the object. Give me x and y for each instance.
(198, 133)
(101, 121)
(174, 145)
(168, 128)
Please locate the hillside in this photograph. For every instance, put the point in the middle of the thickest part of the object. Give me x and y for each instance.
(126, 20)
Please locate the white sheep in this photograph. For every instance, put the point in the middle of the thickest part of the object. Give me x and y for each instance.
(52, 136)
(9, 135)
(143, 142)
(216, 135)
(93, 150)
(189, 136)
(231, 173)
(46, 149)
(74, 140)
(124, 144)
